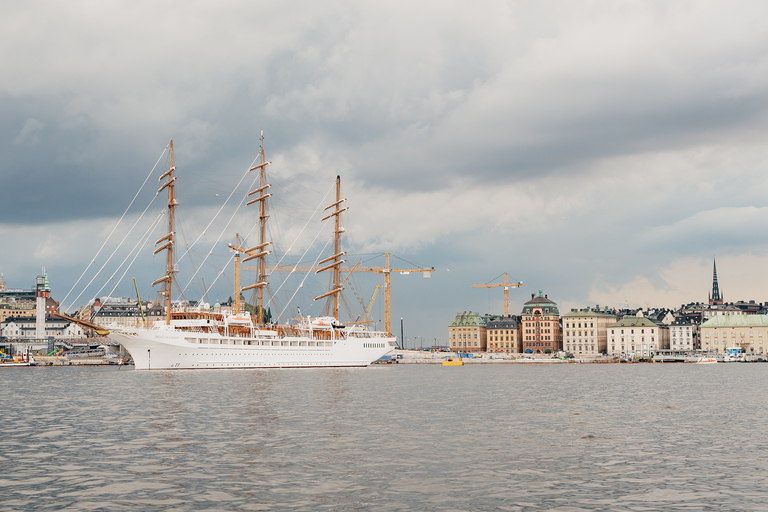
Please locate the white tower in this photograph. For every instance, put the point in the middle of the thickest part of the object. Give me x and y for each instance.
(42, 290)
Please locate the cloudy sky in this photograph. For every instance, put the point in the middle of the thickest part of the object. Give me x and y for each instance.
(600, 151)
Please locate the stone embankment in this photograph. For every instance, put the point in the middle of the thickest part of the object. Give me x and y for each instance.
(75, 361)
(421, 357)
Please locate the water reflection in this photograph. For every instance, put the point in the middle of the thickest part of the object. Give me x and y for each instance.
(580, 437)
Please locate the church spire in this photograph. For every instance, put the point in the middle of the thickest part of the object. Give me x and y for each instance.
(715, 298)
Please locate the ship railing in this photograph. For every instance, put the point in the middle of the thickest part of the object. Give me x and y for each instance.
(367, 334)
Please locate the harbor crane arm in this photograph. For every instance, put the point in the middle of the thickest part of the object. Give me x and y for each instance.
(386, 270)
(370, 304)
(506, 284)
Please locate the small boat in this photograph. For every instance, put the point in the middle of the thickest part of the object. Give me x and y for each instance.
(19, 360)
(706, 360)
(453, 361)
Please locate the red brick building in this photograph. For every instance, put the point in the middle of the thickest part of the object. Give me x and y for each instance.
(541, 326)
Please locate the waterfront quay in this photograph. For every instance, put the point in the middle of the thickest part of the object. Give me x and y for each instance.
(405, 356)
(401, 356)
(77, 361)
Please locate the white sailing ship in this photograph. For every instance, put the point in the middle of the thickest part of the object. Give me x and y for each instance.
(197, 338)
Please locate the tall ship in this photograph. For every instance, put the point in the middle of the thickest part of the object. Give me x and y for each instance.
(198, 338)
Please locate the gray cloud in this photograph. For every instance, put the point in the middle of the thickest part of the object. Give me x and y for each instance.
(568, 143)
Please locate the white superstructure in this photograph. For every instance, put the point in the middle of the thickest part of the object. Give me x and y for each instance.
(210, 341)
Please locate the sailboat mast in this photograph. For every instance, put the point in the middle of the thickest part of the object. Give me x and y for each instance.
(237, 275)
(336, 260)
(169, 261)
(167, 279)
(263, 242)
(262, 233)
(336, 250)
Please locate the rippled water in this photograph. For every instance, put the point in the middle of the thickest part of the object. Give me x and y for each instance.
(400, 437)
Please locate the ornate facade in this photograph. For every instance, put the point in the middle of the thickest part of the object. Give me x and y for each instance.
(540, 329)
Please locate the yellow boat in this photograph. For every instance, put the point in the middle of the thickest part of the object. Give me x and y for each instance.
(453, 361)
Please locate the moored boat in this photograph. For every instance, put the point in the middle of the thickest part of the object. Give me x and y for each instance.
(453, 361)
(7, 361)
(196, 338)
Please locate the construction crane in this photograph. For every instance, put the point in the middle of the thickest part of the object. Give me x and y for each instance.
(370, 304)
(506, 286)
(386, 270)
(237, 306)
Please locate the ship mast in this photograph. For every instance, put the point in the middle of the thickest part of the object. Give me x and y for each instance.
(335, 259)
(167, 279)
(263, 243)
(238, 250)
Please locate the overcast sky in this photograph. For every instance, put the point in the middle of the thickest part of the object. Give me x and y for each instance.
(600, 151)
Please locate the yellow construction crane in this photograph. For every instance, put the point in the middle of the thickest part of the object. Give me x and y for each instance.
(370, 304)
(386, 270)
(506, 286)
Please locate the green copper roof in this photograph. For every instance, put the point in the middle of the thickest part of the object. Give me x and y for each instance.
(468, 318)
(737, 321)
(633, 321)
(590, 313)
(541, 301)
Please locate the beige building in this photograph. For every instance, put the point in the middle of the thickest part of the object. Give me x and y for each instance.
(750, 332)
(684, 334)
(26, 329)
(636, 337)
(503, 335)
(120, 312)
(585, 331)
(467, 332)
(16, 309)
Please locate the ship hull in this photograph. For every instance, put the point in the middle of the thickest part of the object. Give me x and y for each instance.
(153, 349)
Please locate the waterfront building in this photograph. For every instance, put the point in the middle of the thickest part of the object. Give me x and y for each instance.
(750, 332)
(751, 307)
(25, 302)
(540, 326)
(585, 331)
(707, 311)
(636, 337)
(503, 334)
(26, 328)
(10, 308)
(684, 334)
(121, 312)
(659, 316)
(467, 332)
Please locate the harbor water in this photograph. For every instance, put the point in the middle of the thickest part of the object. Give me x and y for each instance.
(509, 437)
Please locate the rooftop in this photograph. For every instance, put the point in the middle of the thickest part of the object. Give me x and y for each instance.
(634, 321)
(737, 321)
(468, 318)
